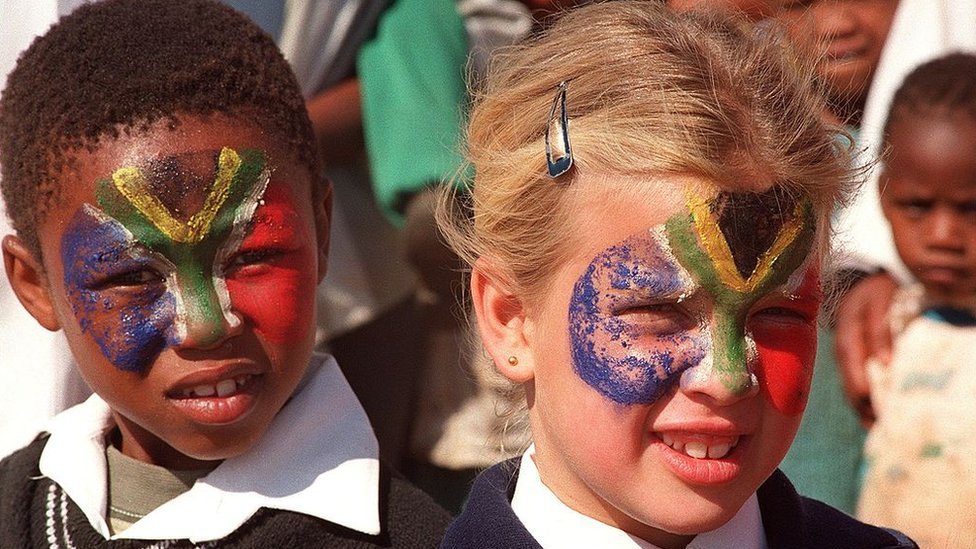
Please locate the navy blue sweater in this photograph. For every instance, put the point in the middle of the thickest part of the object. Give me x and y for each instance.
(789, 520)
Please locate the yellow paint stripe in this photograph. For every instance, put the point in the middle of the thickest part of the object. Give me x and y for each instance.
(717, 248)
(132, 185)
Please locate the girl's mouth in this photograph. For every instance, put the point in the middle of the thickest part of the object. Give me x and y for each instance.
(713, 448)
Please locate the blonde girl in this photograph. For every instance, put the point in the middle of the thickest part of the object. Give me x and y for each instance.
(646, 227)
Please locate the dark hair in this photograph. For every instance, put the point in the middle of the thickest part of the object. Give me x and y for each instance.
(946, 83)
(121, 65)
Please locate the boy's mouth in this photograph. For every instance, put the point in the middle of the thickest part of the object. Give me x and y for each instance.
(713, 448)
(221, 389)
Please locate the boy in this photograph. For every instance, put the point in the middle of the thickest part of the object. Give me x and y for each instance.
(158, 167)
(920, 467)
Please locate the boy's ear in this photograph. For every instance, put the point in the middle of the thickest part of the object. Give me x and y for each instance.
(29, 283)
(323, 224)
(501, 321)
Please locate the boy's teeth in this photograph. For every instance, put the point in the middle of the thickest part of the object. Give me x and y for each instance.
(226, 387)
(698, 449)
(222, 389)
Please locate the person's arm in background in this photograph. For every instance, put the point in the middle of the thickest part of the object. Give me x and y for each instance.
(862, 331)
(337, 120)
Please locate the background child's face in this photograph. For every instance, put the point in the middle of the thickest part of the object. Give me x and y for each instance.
(928, 194)
(849, 33)
(182, 265)
(669, 376)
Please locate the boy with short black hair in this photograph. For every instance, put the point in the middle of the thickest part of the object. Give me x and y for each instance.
(158, 166)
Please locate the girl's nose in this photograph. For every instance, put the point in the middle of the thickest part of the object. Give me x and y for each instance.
(725, 376)
(942, 229)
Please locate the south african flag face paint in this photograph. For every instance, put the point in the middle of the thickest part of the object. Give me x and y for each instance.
(156, 262)
(721, 283)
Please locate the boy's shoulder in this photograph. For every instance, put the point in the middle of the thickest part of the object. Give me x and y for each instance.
(792, 520)
(18, 472)
(411, 519)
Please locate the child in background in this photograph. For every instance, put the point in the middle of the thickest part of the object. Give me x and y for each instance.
(645, 266)
(159, 169)
(921, 474)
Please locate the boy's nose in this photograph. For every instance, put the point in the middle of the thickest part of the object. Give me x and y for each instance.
(203, 323)
(725, 376)
(942, 230)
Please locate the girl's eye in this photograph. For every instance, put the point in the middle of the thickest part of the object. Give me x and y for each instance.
(659, 318)
(782, 314)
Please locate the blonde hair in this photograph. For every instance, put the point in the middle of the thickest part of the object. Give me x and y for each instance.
(650, 91)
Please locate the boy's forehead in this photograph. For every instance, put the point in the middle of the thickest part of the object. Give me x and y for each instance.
(180, 181)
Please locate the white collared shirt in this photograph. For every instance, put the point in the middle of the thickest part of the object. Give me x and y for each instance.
(319, 457)
(555, 525)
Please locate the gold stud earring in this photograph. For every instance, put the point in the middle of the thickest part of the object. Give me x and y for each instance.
(513, 360)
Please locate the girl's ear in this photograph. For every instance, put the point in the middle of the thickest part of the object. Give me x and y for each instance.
(323, 224)
(29, 283)
(501, 321)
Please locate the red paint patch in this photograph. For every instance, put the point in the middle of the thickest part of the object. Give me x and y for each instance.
(272, 278)
(787, 350)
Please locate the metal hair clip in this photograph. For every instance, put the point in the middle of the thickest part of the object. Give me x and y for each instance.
(561, 165)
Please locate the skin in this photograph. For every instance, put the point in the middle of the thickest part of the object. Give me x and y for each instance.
(269, 264)
(652, 325)
(847, 36)
(929, 197)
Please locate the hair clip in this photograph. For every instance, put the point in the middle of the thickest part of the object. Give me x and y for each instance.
(561, 165)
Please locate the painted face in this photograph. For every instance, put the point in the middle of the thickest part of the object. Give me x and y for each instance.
(188, 268)
(691, 342)
(928, 195)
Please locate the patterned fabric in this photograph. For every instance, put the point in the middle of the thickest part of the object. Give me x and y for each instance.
(921, 453)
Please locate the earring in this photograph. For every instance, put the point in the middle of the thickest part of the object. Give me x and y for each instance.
(513, 360)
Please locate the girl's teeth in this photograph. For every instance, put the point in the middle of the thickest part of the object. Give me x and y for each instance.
(204, 390)
(698, 449)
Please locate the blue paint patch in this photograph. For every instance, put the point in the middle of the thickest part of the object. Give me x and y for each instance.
(128, 323)
(625, 361)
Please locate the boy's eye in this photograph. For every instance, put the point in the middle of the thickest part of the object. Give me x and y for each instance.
(248, 258)
(914, 208)
(141, 277)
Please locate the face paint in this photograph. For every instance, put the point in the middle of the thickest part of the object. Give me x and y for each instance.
(740, 246)
(630, 341)
(155, 278)
(622, 346)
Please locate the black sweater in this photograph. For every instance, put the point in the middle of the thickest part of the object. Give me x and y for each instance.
(789, 520)
(36, 513)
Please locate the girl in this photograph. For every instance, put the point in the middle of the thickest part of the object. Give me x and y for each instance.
(645, 266)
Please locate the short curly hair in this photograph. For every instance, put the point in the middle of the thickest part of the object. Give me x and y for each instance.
(947, 84)
(121, 65)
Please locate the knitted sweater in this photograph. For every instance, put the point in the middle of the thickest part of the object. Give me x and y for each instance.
(36, 513)
(790, 521)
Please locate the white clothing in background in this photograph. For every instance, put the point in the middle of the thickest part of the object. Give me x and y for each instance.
(36, 369)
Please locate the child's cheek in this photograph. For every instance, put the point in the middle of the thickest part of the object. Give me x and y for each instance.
(278, 298)
(129, 325)
(786, 358)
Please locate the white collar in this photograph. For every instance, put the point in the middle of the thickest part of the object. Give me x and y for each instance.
(319, 457)
(554, 524)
